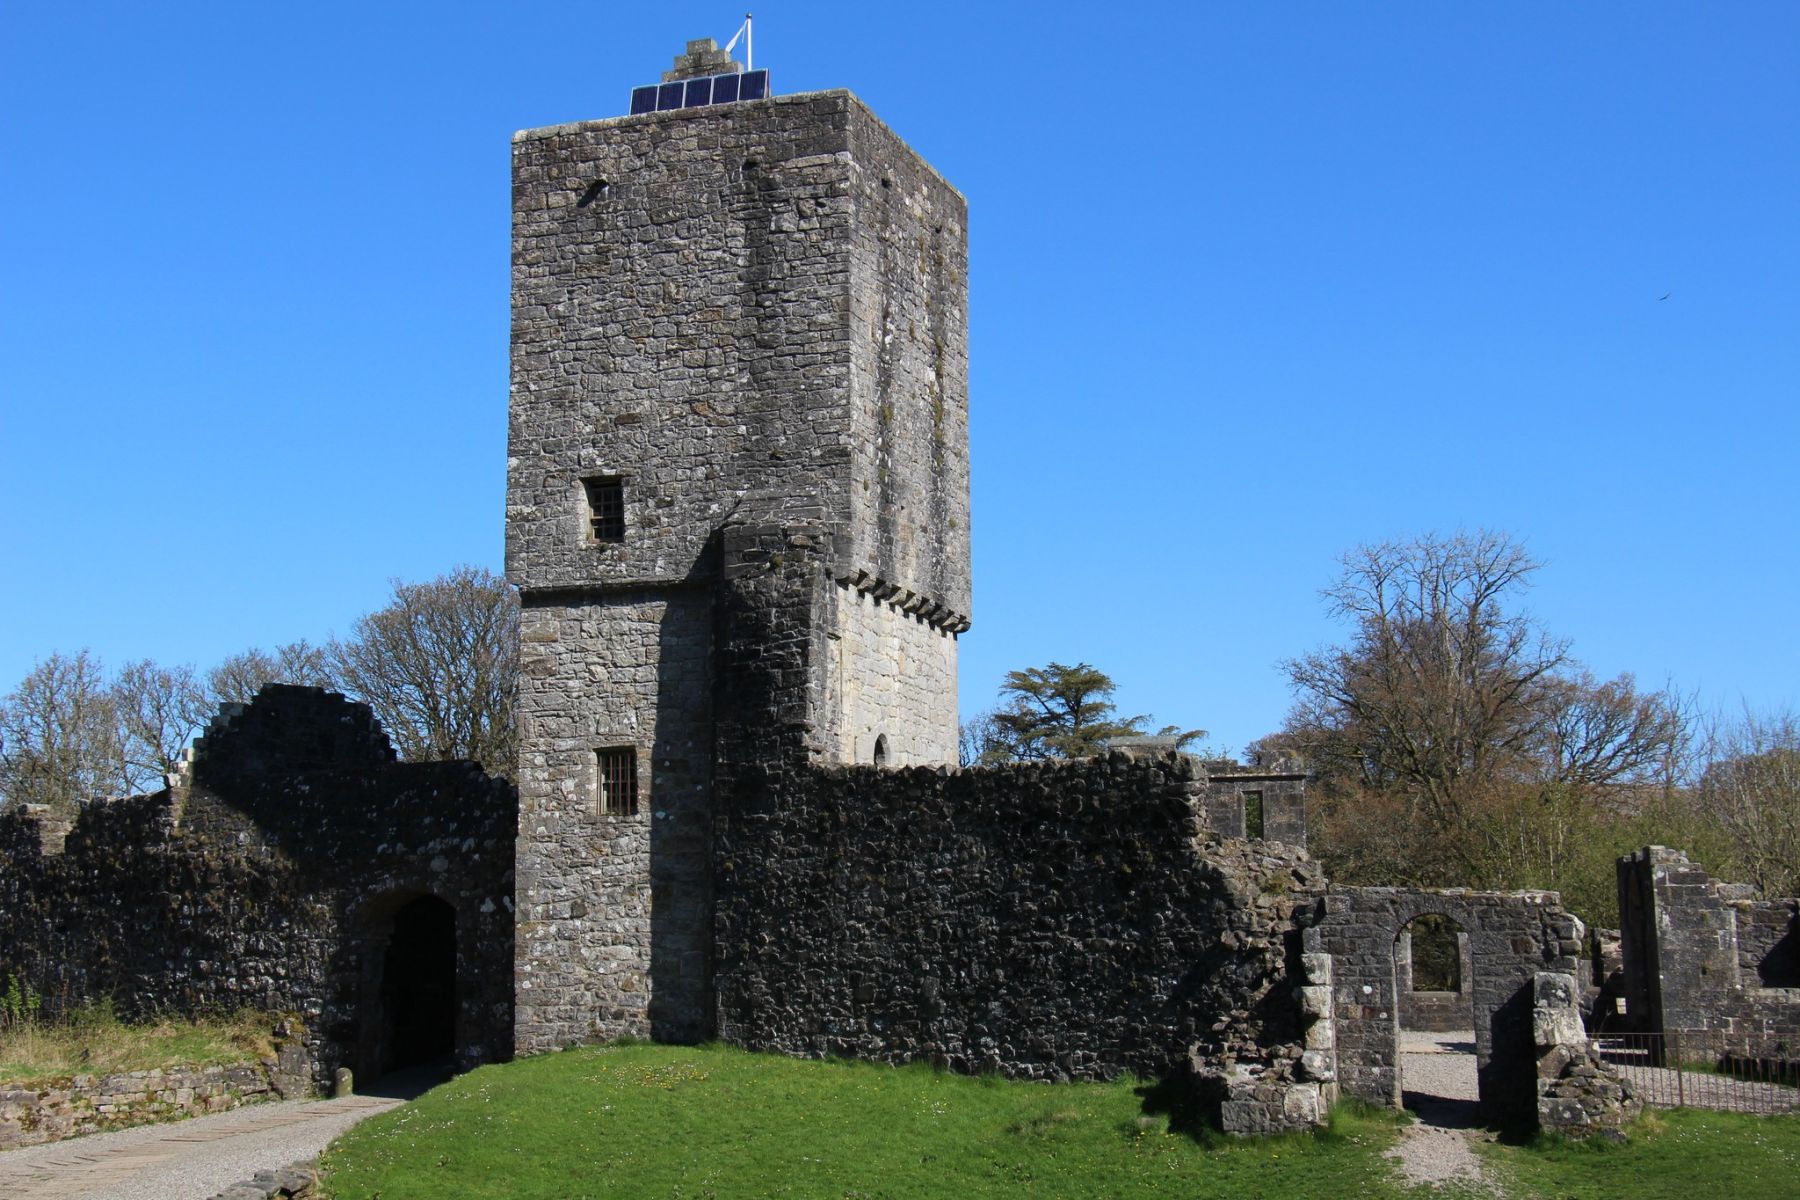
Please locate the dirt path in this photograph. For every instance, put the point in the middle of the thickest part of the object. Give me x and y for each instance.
(1438, 1074)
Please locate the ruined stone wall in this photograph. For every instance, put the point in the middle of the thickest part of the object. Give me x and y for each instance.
(1255, 802)
(269, 879)
(622, 669)
(1057, 921)
(1512, 936)
(129, 909)
(1707, 960)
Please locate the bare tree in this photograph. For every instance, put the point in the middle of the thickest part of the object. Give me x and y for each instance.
(1451, 704)
(1596, 733)
(159, 710)
(439, 666)
(1752, 789)
(59, 744)
(240, 677)
(1434, 690)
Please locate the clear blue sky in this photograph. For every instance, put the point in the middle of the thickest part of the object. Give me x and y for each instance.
(1251, 284)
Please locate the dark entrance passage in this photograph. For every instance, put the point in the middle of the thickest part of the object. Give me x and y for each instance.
(418, 985)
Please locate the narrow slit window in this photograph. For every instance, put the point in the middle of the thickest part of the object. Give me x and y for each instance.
(615, 774)
(606, 508)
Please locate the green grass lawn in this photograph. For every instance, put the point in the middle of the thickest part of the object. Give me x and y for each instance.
(667, 1121)
(661, 1121)
(1682, 1155)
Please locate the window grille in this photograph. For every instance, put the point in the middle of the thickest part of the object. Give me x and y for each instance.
(606, 508)
(616, 781)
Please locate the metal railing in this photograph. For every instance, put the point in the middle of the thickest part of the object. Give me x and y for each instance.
(1661, 1075)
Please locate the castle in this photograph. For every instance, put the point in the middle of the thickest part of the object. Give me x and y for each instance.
(738, 518)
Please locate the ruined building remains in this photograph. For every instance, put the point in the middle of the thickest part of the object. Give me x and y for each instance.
(738, 517)
(291, 866)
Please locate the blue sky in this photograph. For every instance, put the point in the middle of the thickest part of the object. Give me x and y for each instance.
(1250, 285)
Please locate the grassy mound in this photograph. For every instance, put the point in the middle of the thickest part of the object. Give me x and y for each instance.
(93, 1041)
(710, 1121)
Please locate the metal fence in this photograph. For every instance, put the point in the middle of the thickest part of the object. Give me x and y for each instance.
(1660, 1074)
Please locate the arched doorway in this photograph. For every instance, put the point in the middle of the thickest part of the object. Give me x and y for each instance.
(1434, 1020)
(409, 1003)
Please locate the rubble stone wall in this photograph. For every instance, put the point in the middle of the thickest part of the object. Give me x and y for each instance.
(1057, 921)
(268, 877)
(1580, 1095)
(1707, 960)
(71, 1106)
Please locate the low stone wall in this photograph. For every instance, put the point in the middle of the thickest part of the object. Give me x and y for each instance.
(1436, 1012)
(65, 1107)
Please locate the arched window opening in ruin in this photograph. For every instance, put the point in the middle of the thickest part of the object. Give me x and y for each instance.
(881, 750)
(1437, 944)
(418, 986)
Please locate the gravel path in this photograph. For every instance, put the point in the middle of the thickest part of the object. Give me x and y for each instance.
(1437, 1071)
(198, 1158)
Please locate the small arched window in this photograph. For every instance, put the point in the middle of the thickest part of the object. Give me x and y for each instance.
(881, 750)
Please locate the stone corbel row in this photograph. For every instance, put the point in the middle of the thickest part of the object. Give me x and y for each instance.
(934, 613)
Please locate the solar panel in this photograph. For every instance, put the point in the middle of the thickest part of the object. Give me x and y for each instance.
(700, 93)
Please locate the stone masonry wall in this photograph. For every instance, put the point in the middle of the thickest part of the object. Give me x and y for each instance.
(596, 958)
(696, 297)
(909, 264)
(1707, 960)
(1512, 936)
(269, 879)
(1058, 921)
(1580, 1095)
(888, 674)
(72, 1106)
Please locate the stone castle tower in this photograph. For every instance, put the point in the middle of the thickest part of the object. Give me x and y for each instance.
(737, 509)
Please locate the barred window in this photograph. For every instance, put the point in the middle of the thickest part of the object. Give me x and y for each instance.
(606, 508)
(615, 781)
